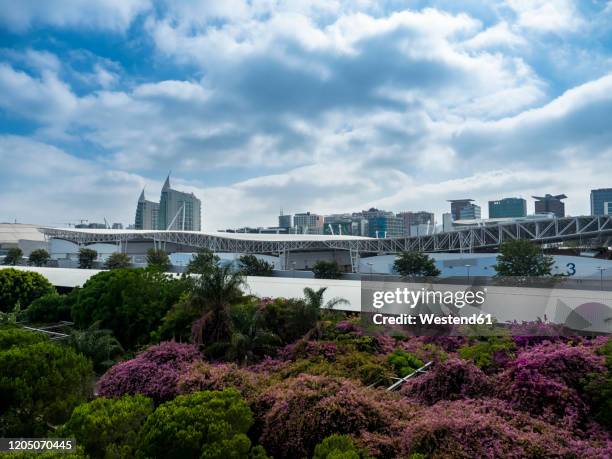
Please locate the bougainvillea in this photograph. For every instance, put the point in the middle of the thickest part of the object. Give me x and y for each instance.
(204, 376)
(153, 373)
(307, 349)
(546, 381)
(489, 429)
(298, 413)
(537, 332)
(454, 379)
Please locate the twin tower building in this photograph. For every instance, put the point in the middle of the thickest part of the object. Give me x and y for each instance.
(176, 210)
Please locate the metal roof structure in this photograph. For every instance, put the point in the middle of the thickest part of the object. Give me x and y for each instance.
(546, 230)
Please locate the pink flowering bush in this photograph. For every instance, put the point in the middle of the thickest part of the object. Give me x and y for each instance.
(307, 349)
(454, 379)
(537, 332)
(153, 373)
(490, 429)
(204, 376)
(547, 381)
(297, 414)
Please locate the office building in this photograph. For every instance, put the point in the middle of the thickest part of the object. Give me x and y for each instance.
(470, 212)
(146, 213)
(447, 222)
(608, 208)
(285, 221)
(600, 200)
(384, 226)
(418, 223)
(178, 210)
(345, 225)
(457, 205)
(117, 226)
(508, 208)
(308, 223)
(550, 203)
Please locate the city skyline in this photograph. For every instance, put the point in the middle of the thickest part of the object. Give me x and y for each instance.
(324, 106)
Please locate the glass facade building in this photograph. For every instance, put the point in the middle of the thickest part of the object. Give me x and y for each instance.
(599, 200)
(470, 212)
(508, 208)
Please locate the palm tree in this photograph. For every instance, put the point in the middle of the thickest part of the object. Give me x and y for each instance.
(251, 338)
(97, 344)
(314, 305)
(214, 291)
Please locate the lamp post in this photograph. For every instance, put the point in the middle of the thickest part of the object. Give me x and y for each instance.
(468, 266)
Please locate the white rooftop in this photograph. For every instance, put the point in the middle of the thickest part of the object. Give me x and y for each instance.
(221, 234)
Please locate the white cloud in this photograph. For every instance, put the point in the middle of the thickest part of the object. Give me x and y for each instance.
(547, 15)
(20, 15)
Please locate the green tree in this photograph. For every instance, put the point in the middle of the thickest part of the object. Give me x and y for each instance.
(415, 264)
(314, 299)
(98, 345)
(214, 293)
(209, 424)
(176, 324)
(130, 302)
(108, 428)
(403, 362)
(204, 261)
(251, 339)
(13, 256)
(118, 260)
(23, 287)
(87, 258)
(39, 257)
(158, 260)
(250, 265)
(338, 447)
(522, 258)
(50, 308)
(323, 269)
(40, 384)
(15, 336)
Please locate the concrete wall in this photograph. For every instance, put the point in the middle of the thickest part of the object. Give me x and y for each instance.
(260, 286)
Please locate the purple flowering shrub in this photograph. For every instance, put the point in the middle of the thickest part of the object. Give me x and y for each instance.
(296, 414)
(489, 429)
(205, 376)
(308, 349)
(527, 334)
(546, 380)
(153, 373)
(454, 379)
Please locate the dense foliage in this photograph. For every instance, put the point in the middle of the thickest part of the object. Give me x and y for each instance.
(250, 265)
(158, 260)
(129, 302)
(109, 427)
(204, 261)
(323, 269)
(523, 258)
(13, 256)
(293, 376)
(39, 257)
(415, 264)
(40, 383)
(204, 424)
(153, 373)
(21, 287)
(87, 258)
(50, 308)
(118, 260)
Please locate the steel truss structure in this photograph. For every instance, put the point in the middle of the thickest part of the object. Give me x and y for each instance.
(550, 230)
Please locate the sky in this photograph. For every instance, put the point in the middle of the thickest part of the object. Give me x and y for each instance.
(323, 105)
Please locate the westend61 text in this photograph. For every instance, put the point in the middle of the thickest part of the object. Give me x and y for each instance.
(432, 319)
